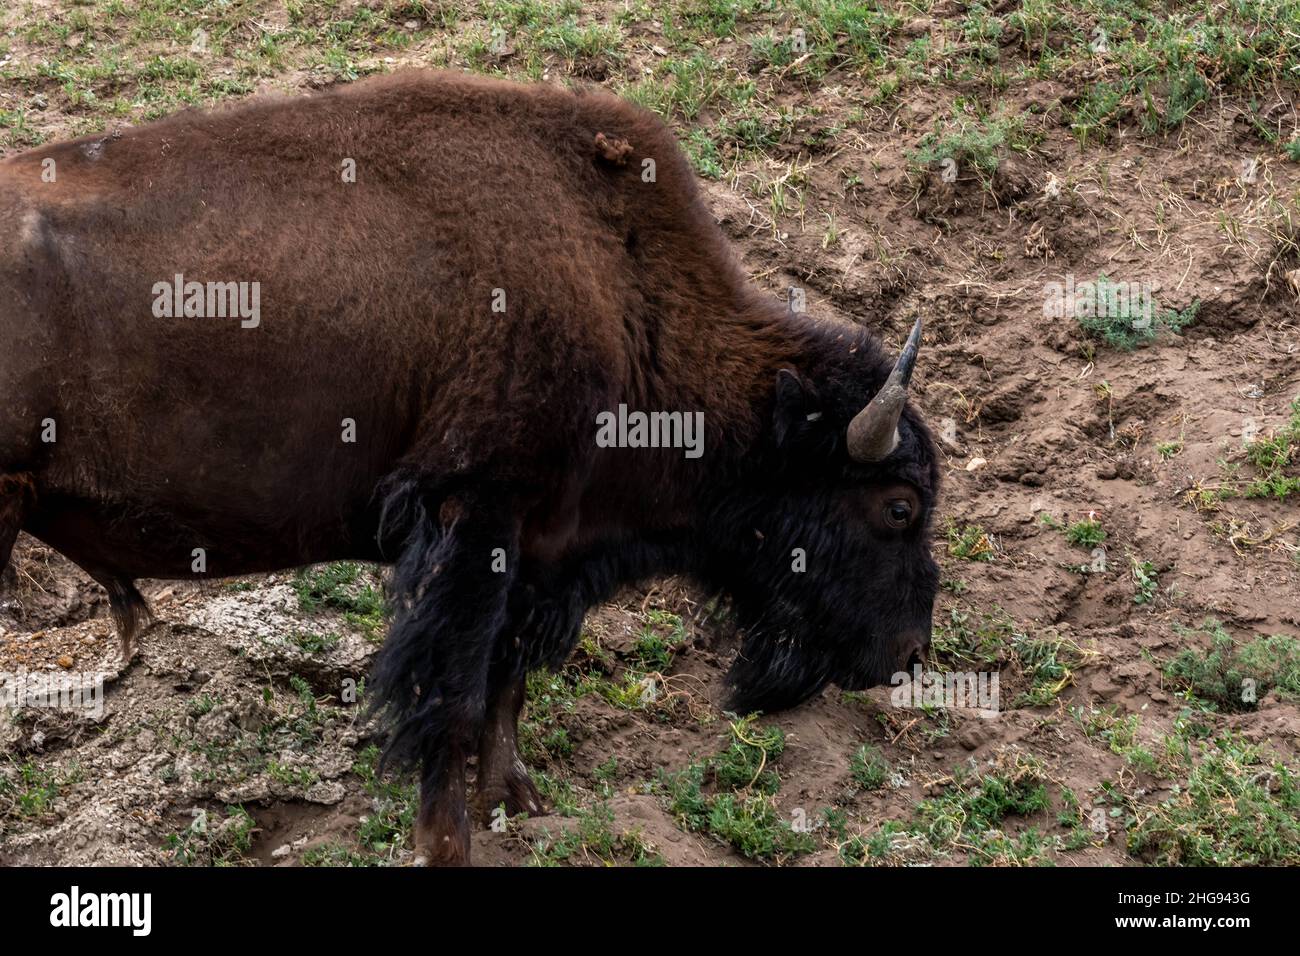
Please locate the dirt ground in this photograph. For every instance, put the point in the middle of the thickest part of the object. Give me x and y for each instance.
(960, 193)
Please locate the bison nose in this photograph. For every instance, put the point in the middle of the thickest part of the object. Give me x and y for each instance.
(914, 651)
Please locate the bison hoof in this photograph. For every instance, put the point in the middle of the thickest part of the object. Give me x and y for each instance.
(127, 653)
(451, 853)
(517, 794)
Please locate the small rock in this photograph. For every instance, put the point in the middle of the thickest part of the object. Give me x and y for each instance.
(975, 464)
(974, 734)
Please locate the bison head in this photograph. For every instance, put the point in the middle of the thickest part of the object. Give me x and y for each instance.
(824, 542)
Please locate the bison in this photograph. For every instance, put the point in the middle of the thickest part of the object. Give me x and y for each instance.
(389, 322)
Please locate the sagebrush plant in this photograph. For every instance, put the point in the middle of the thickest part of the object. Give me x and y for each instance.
(1125, 327)
(1236, 676)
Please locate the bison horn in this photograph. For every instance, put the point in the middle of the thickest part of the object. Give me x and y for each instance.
(873, 433)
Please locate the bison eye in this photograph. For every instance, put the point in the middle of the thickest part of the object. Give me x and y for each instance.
(898, 514)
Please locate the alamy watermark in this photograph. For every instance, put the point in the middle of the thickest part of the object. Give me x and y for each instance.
(53, 690)
(625, 429)
(971, 690)
(1100, 298)
(208, 300)
(133, 911)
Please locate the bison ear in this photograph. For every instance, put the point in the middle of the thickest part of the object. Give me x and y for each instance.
(797, 408)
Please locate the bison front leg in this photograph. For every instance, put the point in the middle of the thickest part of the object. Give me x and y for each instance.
(449, 590)
(442, 825)
(502, 777)
(15, 493)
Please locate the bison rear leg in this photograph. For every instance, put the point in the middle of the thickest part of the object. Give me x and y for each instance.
(449, 590)
(15, 493)
(503, 779)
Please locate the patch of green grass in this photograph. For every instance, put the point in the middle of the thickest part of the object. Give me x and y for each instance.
(699, 19)
(1096, 110)
(29, 792)
(387, 827)
(17, 130)
(563, 798)
(202, 704)
(684, 87)
(1118, 733)
(593, 839)
(751, 824)
(703, 153)
(869, 769)
(971, 641)
(1169, 449)
(1087, 533)
(970, 543)
(1043, 659)
(633, 691)
(1049, 663)
(335, 853)
(1272, 457)
(1238, 807)
(973, 815)
(977, 144)
(748, 762)
(732, 795)
(542, 734)
(296, 723)
(209, 842)
(1235, 676)
(654, 649)
(300, 778)
(310, 642)
(341, 586)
